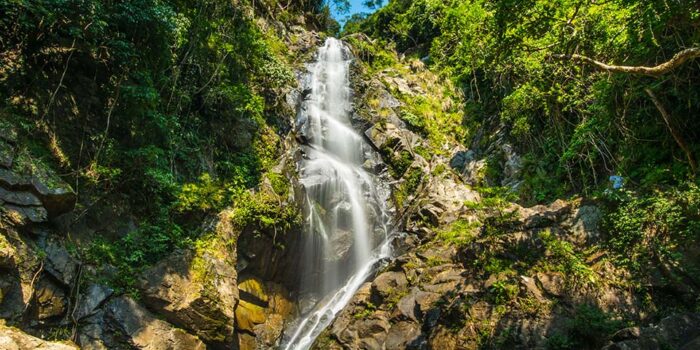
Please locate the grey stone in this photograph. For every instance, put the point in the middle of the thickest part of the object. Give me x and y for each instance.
(89, 302)
(19, 198)
(401, 335)
(60, 263)
(32, 214)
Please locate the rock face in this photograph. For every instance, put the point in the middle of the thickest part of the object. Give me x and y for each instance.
(123, 323)
(441, 295)
(196, 289)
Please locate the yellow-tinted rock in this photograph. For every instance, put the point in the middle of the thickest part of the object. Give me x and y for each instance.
(248, 314)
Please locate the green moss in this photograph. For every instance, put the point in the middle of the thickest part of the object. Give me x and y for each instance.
(365, 312)
(460, 232)
(409, 186)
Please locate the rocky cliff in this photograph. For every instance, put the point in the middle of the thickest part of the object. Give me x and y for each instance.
(472, 269)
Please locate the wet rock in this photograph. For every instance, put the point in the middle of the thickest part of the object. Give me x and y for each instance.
(90, 301)
(341, 242)
(14, 339)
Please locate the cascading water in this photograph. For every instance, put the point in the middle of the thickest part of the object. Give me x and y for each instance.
(347, 221)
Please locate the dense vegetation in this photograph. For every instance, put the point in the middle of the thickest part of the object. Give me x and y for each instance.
(171, 109)
(546, 76)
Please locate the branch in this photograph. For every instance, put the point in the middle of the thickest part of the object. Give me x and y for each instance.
(677, 60)
(676, 135)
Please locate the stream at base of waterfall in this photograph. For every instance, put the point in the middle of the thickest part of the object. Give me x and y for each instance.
(347, 221)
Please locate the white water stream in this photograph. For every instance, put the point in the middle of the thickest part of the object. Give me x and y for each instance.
(347, 221)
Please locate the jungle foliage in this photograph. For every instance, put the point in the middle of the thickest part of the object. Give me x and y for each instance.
(575, 123)
(545, 77)
(171, 109)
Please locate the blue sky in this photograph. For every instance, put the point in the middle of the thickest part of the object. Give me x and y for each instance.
(357, 7)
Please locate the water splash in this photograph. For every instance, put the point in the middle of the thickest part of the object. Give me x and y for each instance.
(347, 221)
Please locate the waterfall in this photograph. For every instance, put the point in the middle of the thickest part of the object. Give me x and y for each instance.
(347, 222)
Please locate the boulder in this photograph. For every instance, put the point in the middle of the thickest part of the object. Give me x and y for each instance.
(7, 253)
(195, 290)
(585, 223)
(60, 264)
(461, 158)
(55, 195)
(405, 335)
(91, 300)
(143, 331)
(445, 199)
(19, 198)
(14, 339)
(388, 283)
(543, 216)
(552, 283)
(530, 287)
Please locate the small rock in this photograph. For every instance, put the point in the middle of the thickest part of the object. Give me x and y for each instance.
(531, 287)
(552, 283)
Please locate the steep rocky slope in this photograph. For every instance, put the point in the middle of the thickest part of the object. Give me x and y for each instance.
(475, 270)
(76, 259)
(472, 268)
